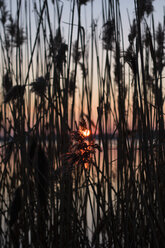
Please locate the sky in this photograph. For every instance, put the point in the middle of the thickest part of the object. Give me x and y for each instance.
(126, 7)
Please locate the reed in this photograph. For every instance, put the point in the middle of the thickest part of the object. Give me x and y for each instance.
(73, 174)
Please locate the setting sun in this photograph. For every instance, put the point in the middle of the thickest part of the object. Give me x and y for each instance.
(85, 132)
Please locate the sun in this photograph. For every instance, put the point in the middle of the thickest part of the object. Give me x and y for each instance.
(85, 132)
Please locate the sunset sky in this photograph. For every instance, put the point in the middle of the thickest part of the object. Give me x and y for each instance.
(127, 9)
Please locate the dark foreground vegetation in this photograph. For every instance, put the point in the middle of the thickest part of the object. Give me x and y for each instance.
(59, 185)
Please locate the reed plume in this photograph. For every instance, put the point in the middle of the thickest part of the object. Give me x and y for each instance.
(145, 7)
(7, 82)
(108, 34)
(81, 2)
(15, 92)
(39, 86)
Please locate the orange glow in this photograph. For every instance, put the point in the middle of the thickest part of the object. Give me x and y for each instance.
(86, 165)
(85, 132)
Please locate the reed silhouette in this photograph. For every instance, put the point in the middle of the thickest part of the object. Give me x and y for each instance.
(75, 172)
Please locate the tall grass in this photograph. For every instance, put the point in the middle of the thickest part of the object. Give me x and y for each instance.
(59, 188)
